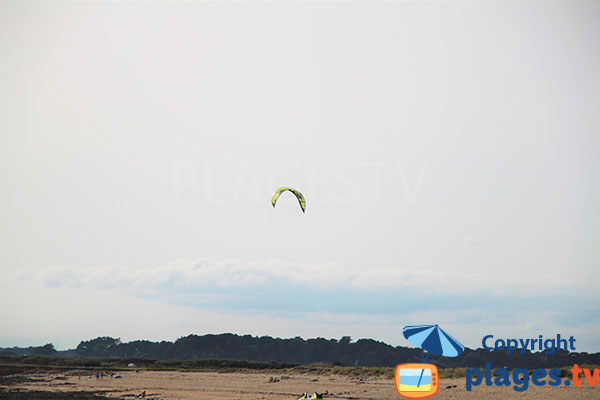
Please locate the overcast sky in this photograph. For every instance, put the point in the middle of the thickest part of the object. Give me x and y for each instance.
(449, 154)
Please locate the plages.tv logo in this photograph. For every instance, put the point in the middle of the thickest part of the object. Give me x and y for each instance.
(421, 380)
(520, 378)
(417, 380)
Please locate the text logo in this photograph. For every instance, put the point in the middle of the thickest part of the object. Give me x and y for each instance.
(416, 381)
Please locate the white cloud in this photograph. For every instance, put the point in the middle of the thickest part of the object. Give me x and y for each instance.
(197, 273)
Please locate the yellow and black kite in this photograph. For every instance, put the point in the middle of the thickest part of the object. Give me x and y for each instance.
(298, 195)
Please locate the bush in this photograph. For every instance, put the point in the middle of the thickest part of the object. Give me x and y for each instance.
(450, 373)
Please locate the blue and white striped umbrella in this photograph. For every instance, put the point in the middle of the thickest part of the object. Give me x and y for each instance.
(433, 339)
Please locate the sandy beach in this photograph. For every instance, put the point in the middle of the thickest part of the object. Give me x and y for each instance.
(245, 386)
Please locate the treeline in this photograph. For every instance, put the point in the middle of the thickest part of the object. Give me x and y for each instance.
(364, 352)
(46, 350)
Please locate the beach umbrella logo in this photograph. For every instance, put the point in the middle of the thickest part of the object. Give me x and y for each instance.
(434, 340)
(421, 380)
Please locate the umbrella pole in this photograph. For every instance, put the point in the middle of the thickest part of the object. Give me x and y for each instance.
(420, 377)
(424, 359)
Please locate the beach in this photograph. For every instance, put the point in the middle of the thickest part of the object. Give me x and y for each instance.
(171, 385)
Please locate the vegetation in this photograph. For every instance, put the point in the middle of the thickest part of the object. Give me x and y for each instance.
(195, 352)
(22, 364)
(143, 363)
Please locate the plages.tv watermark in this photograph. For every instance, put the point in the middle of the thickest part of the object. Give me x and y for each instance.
(325, 182)
(520, 378)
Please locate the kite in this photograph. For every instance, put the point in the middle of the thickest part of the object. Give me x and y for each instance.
(298, 195)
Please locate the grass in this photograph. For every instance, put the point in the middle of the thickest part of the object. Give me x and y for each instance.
(450, 373)
(28, 363)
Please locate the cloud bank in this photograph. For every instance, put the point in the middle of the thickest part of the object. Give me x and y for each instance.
(202, 273)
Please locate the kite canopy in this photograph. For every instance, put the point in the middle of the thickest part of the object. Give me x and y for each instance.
(298, 195)
(433, 339)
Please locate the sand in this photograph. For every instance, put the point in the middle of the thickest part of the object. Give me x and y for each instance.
(242, 386)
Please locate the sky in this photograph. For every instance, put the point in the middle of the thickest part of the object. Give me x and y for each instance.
(449, 154)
